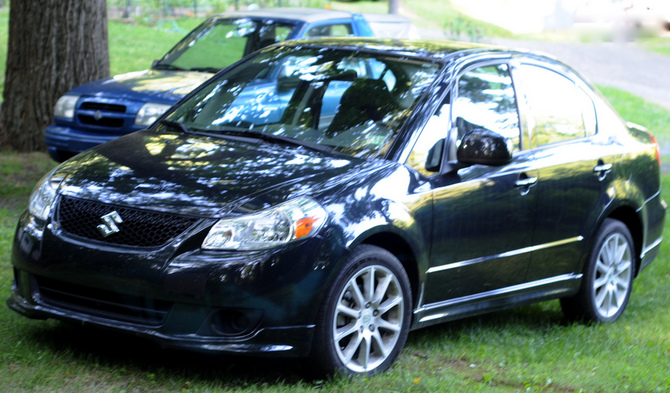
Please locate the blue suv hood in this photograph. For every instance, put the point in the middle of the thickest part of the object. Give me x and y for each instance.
(163, 86)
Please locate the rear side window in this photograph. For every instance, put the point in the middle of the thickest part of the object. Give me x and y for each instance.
(332, 30)
(558, 110)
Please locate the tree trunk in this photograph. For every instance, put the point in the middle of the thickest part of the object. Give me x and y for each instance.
(394, 6)
(54, 45)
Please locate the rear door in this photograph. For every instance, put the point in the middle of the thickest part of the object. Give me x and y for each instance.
(575, 167)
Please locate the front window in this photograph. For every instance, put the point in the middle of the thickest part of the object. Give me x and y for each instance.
(486, 99)
(352, 102)
(222, 42)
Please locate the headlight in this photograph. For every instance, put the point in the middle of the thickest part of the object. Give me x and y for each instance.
(65, 106)
(279, 225)
(43, 197)
(149, 112)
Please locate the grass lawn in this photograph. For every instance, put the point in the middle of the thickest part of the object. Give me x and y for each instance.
(659, 44)
(125, 53)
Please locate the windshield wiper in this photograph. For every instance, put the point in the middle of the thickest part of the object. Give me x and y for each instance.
(161, 66)
(213, 70)
(250, 135)
(273, 139)
(178, 126)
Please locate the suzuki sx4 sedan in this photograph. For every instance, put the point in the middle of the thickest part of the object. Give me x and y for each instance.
(323, 198)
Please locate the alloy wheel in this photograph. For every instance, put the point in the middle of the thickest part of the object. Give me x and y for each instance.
(368, 318)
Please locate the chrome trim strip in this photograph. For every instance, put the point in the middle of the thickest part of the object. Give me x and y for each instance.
(501, 291)
(651, 247)
(657, 193)
(455, 265)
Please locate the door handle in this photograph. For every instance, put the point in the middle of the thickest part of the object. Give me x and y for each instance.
(527, 182)
(602, 169)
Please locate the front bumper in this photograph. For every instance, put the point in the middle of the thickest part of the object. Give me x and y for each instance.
(65, 141)
(262, 303)
(281, 341)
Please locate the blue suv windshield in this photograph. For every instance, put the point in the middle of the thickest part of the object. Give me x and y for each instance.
(221, 42)
(353, 102)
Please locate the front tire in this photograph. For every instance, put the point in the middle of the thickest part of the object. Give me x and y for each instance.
(366, 315)
(608, 277)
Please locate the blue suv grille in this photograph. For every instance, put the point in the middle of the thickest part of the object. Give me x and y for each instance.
(101, 106)
(102, 115)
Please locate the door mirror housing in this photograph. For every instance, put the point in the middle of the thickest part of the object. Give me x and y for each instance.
(485, 147)
(434, 158)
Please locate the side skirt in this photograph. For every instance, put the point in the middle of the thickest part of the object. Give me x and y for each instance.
(499, 299)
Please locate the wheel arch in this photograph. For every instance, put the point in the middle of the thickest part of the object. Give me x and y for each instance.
(401, 249)
(631, 219)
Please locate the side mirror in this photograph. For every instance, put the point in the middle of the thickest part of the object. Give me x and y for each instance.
(434, 158)
(485, 147)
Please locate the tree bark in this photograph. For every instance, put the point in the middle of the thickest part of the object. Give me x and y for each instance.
(54, 45)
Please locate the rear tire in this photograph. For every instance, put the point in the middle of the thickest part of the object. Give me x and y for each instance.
(365, 319)
(608, 277)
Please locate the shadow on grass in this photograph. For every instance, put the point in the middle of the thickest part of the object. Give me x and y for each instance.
(528, 320)
(141, 357)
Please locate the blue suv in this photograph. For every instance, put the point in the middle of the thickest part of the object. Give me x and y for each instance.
(100, 111)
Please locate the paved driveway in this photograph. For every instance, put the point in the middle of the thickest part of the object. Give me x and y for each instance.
(622, 65)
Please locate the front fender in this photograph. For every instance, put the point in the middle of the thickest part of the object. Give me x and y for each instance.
(392, 213)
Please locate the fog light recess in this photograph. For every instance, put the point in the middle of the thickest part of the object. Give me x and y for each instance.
(235, 322)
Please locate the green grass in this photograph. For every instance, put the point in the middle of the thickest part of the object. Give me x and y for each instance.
(133, 47)
(528, 348)
(658, 44)
(433, 14)
(636, 110)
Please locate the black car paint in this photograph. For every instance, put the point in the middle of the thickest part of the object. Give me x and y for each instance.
(462, 213)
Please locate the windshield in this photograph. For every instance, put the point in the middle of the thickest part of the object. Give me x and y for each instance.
(353, 102)
(218, 43)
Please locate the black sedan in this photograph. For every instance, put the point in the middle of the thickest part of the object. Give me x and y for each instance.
(323, 198)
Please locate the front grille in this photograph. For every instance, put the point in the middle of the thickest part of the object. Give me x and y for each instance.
(110, 122)
(101, 114)
(101, 106)
(100, 303)
(140, 228)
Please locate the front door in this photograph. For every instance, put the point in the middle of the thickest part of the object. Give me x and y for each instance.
(483, 215)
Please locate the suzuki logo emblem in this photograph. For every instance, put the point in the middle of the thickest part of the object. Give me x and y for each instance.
(109, 221)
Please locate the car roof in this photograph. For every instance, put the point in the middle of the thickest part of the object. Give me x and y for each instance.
(309, 15)
(435, 50)
(442, 51)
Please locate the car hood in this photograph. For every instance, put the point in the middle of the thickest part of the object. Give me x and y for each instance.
(148, 85)
(204, 176)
